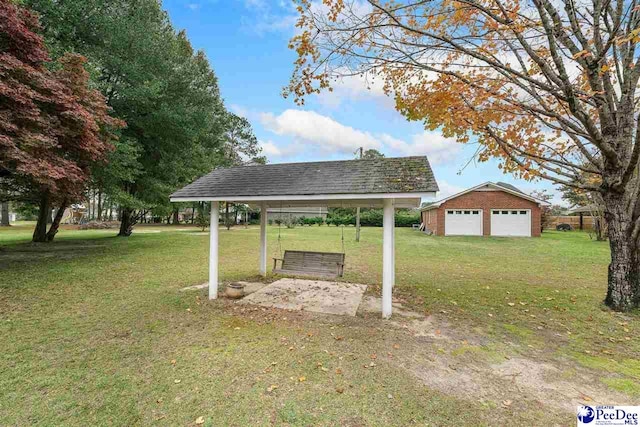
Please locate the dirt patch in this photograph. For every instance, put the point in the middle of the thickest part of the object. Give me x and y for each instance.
(464, 365)
(469, 369)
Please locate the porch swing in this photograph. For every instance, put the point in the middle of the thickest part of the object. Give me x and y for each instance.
(308, 263)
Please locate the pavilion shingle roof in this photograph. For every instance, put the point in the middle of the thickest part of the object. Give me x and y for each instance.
(385, 175)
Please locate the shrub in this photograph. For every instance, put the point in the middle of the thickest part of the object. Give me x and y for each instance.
(312, 221)
(201, 221)
(407, 218)
(341, 220)
(373, 218)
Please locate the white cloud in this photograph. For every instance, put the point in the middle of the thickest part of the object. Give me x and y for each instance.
(239, 110)
(271, 23)
(356, 87)
(320, 131)
(432, 144)
(323, 135)
(270, 149)
(447, 189)
(264, 16)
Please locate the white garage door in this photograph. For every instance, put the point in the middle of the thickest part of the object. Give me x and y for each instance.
(465, 222)
(511, 222)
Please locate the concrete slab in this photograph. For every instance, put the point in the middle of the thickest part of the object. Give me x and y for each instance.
(195, 287)
(249, 287)
(310, 295)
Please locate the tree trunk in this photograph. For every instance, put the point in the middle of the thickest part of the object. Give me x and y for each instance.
(90, 211)
(226, 216)
(127, 222)
(44, 212)
(4, 213)
(623, 291)
(176, 216)
(55, 225)
(99, 205)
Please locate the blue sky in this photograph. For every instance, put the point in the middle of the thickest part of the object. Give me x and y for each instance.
(246, 43)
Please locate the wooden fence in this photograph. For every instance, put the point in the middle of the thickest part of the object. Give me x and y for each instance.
(587, 221)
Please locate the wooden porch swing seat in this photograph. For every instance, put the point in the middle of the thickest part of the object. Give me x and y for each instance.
(307, 263)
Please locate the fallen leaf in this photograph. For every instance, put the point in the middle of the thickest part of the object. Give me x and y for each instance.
(511, 304)
(271, 388)
(200, 420)
(177, 381)
(302, 379)
(174, 361)
(389, 396)
(506, 403)
(396, 346)
(339, 390)
(338, 371)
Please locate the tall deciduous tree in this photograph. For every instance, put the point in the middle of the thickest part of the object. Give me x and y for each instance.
(547, 87)
(177, 127)
(53, 128)
(239, 140)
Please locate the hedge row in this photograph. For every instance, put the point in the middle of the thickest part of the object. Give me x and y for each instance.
(369, 218)
(374, 219)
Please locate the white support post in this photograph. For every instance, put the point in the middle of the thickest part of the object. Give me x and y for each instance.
(393, 249)
(263, 238)
(213, 250)
(388, 257)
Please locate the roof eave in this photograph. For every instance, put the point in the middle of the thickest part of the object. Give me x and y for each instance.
(488, 183)
(303, 197)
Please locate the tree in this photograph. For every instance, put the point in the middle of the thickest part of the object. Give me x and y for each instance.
(53, 127)
(594, 202)
(4, 214)
(546, 87)
(545, 210)
(370, 154)
(240, 140)
(150, 75)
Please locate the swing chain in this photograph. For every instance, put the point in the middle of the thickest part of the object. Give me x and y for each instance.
(280, 231)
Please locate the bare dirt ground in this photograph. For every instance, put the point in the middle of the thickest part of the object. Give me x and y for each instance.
(456, 362)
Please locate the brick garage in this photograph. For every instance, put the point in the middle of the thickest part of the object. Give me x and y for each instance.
(474, 211)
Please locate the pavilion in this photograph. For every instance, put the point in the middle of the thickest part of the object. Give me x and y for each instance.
(387, 183)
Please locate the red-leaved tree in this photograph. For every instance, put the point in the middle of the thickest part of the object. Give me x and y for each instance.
(53, 127)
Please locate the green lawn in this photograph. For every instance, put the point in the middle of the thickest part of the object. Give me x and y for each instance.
(93, 330)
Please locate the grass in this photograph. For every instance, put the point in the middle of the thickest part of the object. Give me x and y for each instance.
(94, 330)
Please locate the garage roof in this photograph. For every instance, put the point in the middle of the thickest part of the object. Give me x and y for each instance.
(508, 188)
